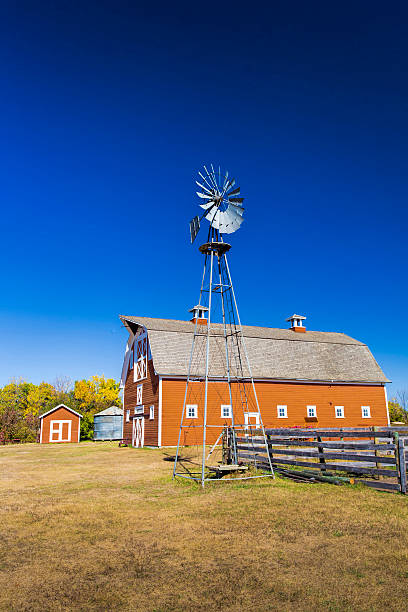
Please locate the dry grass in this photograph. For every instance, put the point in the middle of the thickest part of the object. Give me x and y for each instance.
(97, 527)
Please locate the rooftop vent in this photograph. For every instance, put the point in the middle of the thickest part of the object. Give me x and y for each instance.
(296, 323)
(199, 314)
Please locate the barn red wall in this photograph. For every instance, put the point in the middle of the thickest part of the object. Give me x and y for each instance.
(150, 398)
(62, 414)
(294, 395)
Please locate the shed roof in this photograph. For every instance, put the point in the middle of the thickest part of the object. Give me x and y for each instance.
(111, 411)
(61, 406)
(278, 354)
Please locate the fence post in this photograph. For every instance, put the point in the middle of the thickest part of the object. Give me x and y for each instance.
(402, 468)
(377, 454)
(269, 444)
(320, 450)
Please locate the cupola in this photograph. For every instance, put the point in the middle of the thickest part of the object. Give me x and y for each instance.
(199, 314)
(296, 323)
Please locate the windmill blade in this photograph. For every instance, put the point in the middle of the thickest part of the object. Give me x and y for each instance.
(234, 192)
(238, 209)
(225, 179)
(229, 221)
(208, 204)
(213, 218)
(205, 180)
(236, 200)
(211, 180)
(213, 174)
(205, 188)
(194, 228)
(204, 195)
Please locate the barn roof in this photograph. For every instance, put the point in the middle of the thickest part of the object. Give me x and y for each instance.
(111, 411)
(273, 353)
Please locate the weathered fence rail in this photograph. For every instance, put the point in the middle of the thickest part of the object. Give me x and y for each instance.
(379, 453)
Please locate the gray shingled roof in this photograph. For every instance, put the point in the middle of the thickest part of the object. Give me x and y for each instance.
(273, 353)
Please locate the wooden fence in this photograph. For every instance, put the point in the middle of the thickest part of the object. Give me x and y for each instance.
(376, 457)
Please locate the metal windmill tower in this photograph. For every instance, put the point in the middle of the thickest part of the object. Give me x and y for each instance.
(218, 352)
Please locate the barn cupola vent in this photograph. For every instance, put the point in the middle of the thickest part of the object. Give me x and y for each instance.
(296, 323)
(199, 314)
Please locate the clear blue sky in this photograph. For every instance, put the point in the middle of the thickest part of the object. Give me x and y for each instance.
(109, 108)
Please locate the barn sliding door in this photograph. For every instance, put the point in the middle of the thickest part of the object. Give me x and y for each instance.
(138, 432)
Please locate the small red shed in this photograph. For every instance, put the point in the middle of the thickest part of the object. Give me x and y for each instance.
(60, 424)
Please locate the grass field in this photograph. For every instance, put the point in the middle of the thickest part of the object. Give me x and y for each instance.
(97, 527)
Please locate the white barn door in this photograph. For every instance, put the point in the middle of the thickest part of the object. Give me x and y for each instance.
(60, 431)
(138, 432)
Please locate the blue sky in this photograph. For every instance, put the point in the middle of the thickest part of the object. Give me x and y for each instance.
(108, 109)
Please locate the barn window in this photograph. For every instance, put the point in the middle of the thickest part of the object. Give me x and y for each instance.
(365, 412)
(151, 412)
(226, 411)
(282, 412)
(131, 360)
(339, 412)
(139, 409)
(127, 416)
(191, 411)
(139, 394)
(311, 411)
(140, 357)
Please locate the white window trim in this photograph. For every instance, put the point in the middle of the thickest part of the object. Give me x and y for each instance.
(195, 406)
(151, 413)
(127, 416)
(313, 408)
(229, 416)
(139, 409)
(139, 395)
(341, 416)
(368, 416)
(58, 429)
(285, 409)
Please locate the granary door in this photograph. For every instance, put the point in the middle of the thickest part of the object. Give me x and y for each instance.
(251, 418)
(138, 432)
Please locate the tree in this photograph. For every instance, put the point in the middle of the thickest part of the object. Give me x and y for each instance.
(15, 419)
(396, 411)
(40, 399)
(97, 393)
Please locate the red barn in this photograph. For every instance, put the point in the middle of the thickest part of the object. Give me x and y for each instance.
(324, 379)
(60, 424)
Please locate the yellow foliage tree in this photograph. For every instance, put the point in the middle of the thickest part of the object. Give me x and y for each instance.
(96, 393)
(39, 398)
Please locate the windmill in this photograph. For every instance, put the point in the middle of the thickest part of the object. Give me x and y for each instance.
(219, 369)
